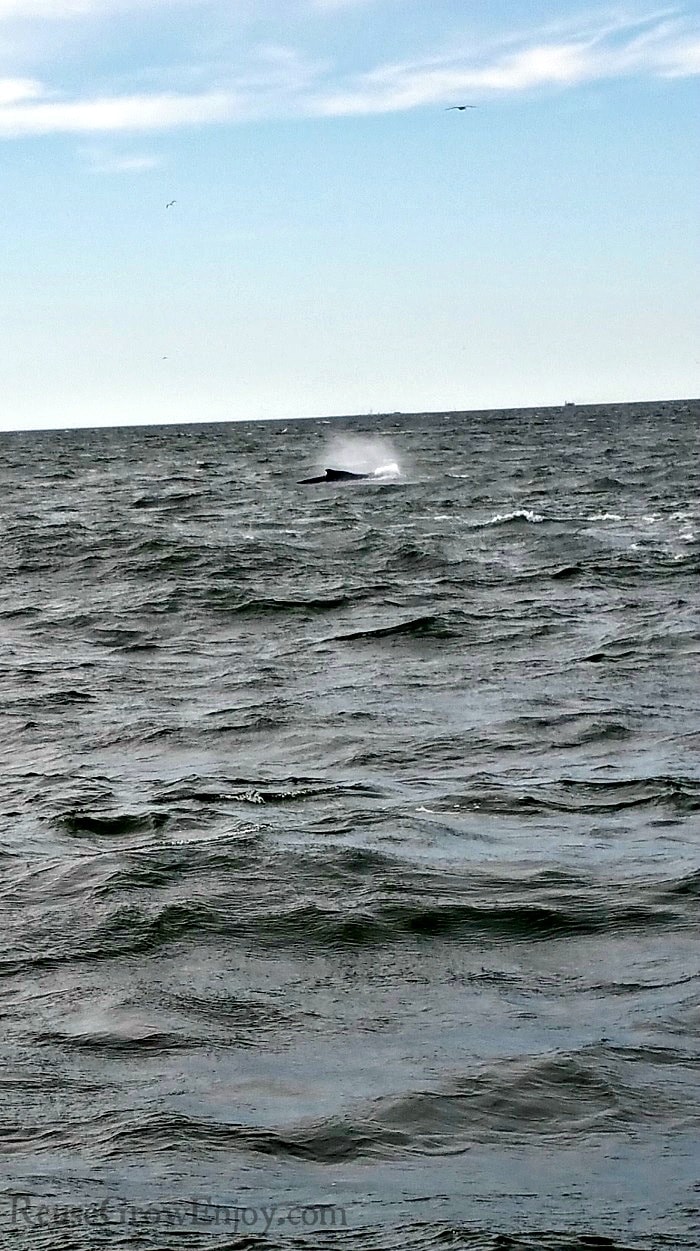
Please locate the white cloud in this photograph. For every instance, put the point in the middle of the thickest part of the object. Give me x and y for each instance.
(14, 90)
(396, 88)
(276, 80)
(332, 6)
(684, 62)
(101, 162)
(118, 113)
(664, 49)
(61, 10)
(27, 9)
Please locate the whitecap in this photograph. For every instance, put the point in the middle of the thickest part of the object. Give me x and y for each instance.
(502, 519)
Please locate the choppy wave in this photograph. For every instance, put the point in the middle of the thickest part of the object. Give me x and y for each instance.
(348, 839)
(421, 1236)
(233, 893)
(485, 794)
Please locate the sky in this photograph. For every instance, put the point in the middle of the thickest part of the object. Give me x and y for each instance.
(342, 241)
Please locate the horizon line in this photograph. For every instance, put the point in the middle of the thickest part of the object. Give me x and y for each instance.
(361, 416)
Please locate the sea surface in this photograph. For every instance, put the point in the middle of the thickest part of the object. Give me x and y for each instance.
(350, 834)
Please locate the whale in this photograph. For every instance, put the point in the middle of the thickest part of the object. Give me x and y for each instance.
(335, 475)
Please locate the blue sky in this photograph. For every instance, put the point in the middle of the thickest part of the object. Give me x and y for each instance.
(341, 242)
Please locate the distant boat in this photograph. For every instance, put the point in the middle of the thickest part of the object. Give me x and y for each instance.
(569, 404)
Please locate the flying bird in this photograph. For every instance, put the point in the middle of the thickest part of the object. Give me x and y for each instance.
(170, 203)
(460, 107)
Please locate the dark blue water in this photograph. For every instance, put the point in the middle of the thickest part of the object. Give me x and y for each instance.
(351, 834)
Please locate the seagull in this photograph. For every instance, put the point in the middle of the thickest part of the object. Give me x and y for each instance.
(460, 107)
(170, 203)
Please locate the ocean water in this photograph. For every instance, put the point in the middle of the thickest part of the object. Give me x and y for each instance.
(350, 834)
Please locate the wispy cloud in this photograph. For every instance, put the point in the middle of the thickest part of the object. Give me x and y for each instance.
(16, 90)
(101, 162)
(29, 9)
(661, 48)
(684, 62)
(116, 114)
(61, 10)
(277, 80)
(332, 6)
